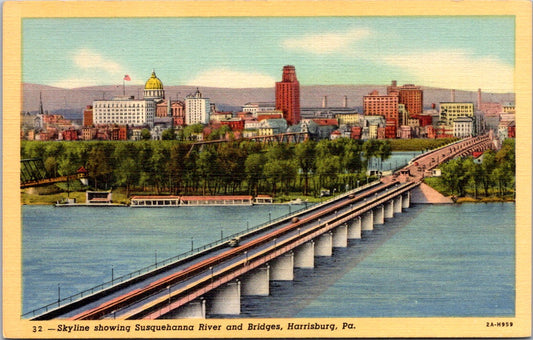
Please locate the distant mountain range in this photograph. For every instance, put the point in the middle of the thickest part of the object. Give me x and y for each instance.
(71, 102)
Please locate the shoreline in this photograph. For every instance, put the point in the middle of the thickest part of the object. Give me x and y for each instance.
(460, 200)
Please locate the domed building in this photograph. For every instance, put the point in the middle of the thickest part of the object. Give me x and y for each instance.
(153, 89)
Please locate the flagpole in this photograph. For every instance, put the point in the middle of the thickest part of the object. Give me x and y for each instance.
(124, 86)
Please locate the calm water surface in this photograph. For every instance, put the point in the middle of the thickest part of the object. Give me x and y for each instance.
(431, 260)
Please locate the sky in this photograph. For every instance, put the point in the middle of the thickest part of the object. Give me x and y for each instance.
(460, 52)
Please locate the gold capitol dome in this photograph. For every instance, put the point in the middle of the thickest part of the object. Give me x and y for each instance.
(153, 83)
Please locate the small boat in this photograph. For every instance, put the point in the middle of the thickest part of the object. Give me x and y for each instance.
(296, 201)
(66, 202)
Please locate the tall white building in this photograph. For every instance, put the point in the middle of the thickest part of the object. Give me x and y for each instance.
(129, 111)
(197, 109)
(124, 110)
(463, 127)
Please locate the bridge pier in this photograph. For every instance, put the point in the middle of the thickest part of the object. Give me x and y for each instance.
(389, 209)
(354, 228)
(256, 282)
(406, 200)
(226, 300)
(281, 268)
(340, 236)
(379, 215)
(304, 256)
(193, 310)
(324, 245)
(398, 204)
(367, 221)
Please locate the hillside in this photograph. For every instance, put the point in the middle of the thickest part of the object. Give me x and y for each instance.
(74, 100)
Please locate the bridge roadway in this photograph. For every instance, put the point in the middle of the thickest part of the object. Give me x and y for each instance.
(175, 276)
(155, 295)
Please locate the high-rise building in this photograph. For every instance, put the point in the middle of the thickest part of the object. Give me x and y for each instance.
(88, 116)
(197, 109)
(410, 95)
(451, 111)
(124, 110)
(288, 95)
(381, 105)
(413, 98)
(128, 110)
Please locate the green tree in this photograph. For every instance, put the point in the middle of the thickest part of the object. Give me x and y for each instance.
(168, 134)
(370, 150)
(99, 164)
(50, 164)
(474, 174)
(186, 132)
(145, 134)
(328, 170)
(207, 168)
(254, 171)
(231, 162)
(306, 157)
(488, 166)
(177, 165)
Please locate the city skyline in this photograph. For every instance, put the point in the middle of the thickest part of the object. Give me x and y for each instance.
(465, 53)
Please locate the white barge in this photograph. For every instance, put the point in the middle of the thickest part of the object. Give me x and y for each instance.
(92, 199)
(154, 201)
(196, 201)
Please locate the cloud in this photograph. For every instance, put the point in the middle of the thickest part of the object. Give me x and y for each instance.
(87, 59)
(456, 69)
(232, 79)
(324, 43)
(90, 68)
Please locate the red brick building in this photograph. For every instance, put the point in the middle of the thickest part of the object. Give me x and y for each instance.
(88, 116)
(234, 123)
(381, 105)
(511, 130)
(288, 95)
(410, 95)
(177, 110)
(390, 129)
(424, 120)
(70, 134)
(382, 132)
(356, 132)
(430, 132)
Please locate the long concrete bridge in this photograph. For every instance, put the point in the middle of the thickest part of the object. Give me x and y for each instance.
(212, 281)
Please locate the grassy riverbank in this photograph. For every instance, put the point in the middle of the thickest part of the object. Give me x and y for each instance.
(470, 196)
(48, 195)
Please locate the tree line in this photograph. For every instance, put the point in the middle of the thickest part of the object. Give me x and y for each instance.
(494, 175)
(228, 168)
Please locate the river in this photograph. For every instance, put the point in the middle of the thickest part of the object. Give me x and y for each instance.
(431, 260)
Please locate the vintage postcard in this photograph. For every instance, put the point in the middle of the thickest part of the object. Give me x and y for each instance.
(266, 169)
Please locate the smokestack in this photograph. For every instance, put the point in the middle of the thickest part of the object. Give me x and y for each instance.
(345, 102)
(452, 99)
(394, 83)
(433, 106)
(325, 102)
(479, 99)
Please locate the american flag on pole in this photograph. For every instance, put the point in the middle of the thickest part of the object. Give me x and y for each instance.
(127, 77)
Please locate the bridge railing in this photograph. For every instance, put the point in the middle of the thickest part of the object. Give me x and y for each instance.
(176, 258)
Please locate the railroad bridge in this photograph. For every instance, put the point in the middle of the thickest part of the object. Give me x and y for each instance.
(212, 281)
(33, 173)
